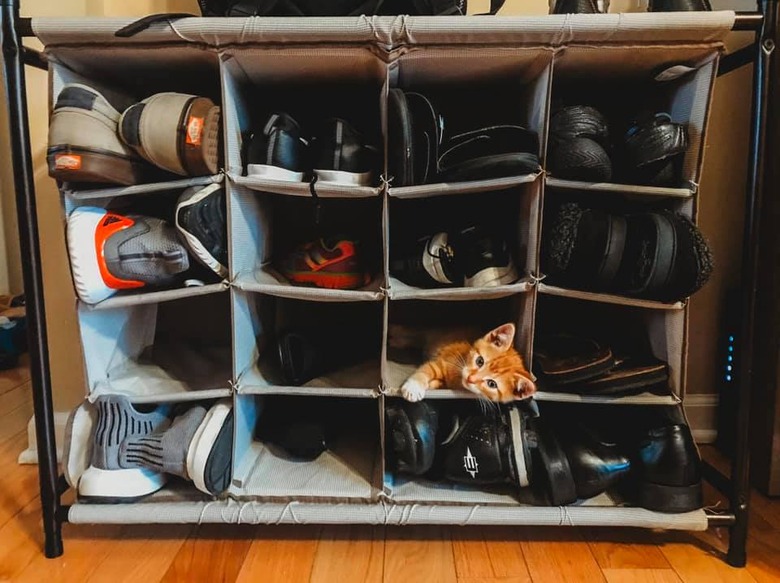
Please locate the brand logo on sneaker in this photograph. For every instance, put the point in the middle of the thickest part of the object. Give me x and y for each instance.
(470, 463)
(67, 162)
(195, 131)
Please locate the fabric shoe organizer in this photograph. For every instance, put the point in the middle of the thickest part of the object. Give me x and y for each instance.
(208, 342)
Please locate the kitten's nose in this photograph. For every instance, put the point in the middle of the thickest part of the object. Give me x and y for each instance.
(471, 379)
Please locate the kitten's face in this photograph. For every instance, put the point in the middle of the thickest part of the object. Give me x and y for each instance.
(495, 370)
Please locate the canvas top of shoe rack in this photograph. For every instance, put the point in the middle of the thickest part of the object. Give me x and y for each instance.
(143, 344)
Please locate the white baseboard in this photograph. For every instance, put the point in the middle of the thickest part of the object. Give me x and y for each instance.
(702, 412)
(30, 455)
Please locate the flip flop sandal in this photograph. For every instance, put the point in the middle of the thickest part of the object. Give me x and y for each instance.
(630, 375)
(490, 152)
(583, 248)
(653, 150)
(413, 138)
(562, 359)
(666, 258)
(579, 135)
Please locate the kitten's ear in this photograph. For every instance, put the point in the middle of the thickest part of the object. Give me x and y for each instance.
(524, 388)
(502, 336)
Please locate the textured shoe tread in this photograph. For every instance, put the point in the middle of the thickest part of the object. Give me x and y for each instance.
(219, 466)
(581, 159)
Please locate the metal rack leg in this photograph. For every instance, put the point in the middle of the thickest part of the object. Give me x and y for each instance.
(762, 96)
(14, 82)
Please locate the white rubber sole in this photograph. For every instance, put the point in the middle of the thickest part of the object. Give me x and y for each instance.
(117, 484)
(76, 451)
(493, 277)
(193, 242)
(345, 178)
(273, 172)
(516, 425)
(431, 262)
(82, 224)
(203, 441)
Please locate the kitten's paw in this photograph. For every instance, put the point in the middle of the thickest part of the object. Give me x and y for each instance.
(413, 390)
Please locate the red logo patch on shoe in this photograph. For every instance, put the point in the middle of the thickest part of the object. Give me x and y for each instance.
(67, 162)
(194, 131)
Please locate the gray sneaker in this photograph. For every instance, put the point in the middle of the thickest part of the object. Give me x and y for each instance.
(111, 252)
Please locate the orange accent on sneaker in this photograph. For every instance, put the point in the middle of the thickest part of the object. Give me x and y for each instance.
(109, 225)
(330, 280)
(194, 131)
(67, 161)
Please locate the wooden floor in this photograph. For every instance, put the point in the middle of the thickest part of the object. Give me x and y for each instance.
(147, 554)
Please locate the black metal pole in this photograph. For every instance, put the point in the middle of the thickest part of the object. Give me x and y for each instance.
(763, 86)
(31, 269)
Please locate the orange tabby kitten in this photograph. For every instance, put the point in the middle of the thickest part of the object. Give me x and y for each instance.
(490, 368)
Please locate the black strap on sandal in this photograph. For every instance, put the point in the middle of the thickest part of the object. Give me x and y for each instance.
(613, 254)
(143, 23)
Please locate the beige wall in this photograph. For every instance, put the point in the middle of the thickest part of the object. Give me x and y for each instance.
(722, 190)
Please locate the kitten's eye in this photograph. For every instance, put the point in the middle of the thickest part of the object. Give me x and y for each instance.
(480, 361)
(491, 383)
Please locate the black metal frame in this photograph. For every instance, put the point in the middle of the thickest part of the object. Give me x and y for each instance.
(737, 487)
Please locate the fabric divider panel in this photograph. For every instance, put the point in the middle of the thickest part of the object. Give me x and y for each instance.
(155, 297)
(252, 327)
(630, 189)
(471, 187)
(246, 414)
(301, 512)
(89, 196)
(346, 469)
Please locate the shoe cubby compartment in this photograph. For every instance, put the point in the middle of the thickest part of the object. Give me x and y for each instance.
(417, 326)
(415, 228)
(311, 87)
(267, 228)
(125, 76)
(175, 350)
(299, 347)
(628, 84)
(633, 334)
(586, 285)
(307, 448)
(466, 91)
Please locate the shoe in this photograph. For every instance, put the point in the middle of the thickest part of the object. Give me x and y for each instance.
(413, 139)
(678, 5)
(579, 136)
(111, 252)
(107, 479)
(83, 142)
(597, 463)
(278, 151)
(198, 446)
(177, 132)
(667, 463)
(299, 427)
(326, 263)
(484, 259)
(562, 360)
(201, 221)
(574, 7)
(653, 150)
(430, 263)
(631, 374)
(410, 434)
(340, 155)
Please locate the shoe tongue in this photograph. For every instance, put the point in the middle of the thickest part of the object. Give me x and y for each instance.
(149, 250)
(283, 122)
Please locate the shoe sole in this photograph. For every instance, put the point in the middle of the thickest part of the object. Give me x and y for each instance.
(493, 277)
(520, 448)
(273, 173)
(124, 485)
(77, 164)
(199, 145)
(343, 178)
(431, 261)
(82, 225)
(210, 452)
(670, 499)
(330, 280)
(193, 242)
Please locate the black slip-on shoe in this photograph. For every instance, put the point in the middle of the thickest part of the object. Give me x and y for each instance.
(340, 155)
(278, 150)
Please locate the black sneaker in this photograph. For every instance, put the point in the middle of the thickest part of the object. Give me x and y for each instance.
(278, 151)
(340, 155)
(484, 259)
(200, 219)
(430, 263)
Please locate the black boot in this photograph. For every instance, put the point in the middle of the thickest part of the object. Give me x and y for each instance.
(410, 435)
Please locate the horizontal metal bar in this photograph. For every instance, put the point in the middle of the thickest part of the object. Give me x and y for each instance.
(24, 27)
(739, 58)
(716, 478)
(720, 520)
(748, 21)
(34, 58)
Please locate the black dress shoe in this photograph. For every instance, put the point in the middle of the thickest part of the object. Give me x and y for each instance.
(597, 463)
(278, 150)
(410, 435)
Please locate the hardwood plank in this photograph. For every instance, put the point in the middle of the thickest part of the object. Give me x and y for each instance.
(419, 553)
(349, 554)
(15, 418)
(764, 555)
(695, 562)
(147, 553)
(493, 580)
(18, 487)
(625, 549)
(215, 552)
(283, 554)
(559, 555)
(492, 553)
(641, 576)
(20, 541)
(470, 553)
(10, 379)
(506, 553)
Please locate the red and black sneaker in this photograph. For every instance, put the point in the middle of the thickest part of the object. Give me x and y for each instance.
(328, 263)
